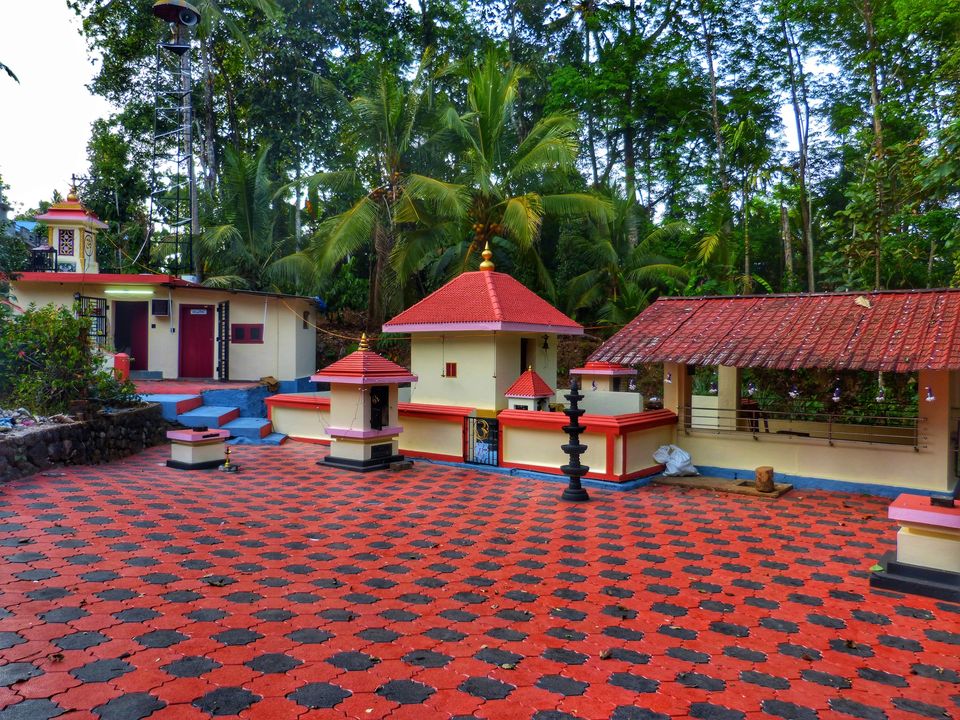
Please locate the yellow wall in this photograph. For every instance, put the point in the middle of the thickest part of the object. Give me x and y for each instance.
(487, 365)
(928, 468)
(642, 444)
(541, 447)
(301, 422)
(431, 436)
(287, 352)
(931, 467)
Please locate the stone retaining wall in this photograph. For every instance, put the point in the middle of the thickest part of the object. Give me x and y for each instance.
(108, 436)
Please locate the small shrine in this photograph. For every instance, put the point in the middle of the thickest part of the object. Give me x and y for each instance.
(471, 339)
(72, 237)
(364, 417)
(529, 392)
(604, 376)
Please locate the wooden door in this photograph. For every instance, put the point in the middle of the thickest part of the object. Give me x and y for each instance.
(196, 341)
(130, 323)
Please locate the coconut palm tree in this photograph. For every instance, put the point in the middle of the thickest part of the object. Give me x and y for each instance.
(621, 276)
(387, 137)
(244, 244)
(502, 171)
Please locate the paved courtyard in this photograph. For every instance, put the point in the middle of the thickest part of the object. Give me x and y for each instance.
(289, 590)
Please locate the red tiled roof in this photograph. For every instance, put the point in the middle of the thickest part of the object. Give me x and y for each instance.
(894, 331)
(603, 368)
(70, 210)
(483, 300)
(364, 367)
(529, 385)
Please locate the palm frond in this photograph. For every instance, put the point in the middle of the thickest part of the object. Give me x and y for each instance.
(566, 205)
(708, 247)
(551, 143)
(346, 233)
(656, 273)
(297, 270)
(225, 282)
(445, 199)
(522, 216)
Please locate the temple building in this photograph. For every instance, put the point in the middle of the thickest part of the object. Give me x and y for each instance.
(474, 337)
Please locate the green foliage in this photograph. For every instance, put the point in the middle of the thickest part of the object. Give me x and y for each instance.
(46, 364)
(527, 123)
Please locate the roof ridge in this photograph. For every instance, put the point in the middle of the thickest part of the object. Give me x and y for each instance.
(492, 292)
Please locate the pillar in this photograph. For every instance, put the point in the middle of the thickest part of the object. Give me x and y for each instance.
(728, 397)
(678, 394)
(934, 426)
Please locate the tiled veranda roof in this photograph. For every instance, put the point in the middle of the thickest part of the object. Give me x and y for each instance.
(894, 331)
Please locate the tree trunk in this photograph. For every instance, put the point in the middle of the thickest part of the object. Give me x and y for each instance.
(787, 248)
(210, 124)
(878, 151)
(747, 269)
(629, 137)
(801, 118)
(590, 131)
(714, 102)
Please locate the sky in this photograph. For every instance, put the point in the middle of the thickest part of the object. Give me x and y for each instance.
(45, 120)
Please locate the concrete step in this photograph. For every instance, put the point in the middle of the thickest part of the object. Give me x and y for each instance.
(249, 427)
(271, 439)
(210, 416)
(174, 405)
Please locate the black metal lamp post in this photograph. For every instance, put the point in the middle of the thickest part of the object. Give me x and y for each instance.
(574, 470)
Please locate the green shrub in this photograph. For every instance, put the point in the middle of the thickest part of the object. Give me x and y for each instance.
(47, 363)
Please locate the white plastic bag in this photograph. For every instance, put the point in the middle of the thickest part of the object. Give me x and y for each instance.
(677, 461)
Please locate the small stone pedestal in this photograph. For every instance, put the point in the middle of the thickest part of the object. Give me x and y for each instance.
(927, 560)
(196, 449)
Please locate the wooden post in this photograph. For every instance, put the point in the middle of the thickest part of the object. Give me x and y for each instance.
(764, 479)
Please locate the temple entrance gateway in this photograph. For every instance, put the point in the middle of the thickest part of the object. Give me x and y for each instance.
(482, 441)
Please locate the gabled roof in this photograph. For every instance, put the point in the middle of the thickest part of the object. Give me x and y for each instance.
(890, 331)
(529, 385)
(364, 367)
(71, 211)
(604, 368)
(483, 300)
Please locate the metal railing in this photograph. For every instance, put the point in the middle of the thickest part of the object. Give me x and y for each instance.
(878, 429)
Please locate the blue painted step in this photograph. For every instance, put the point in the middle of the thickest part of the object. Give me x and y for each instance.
(173, 405)
(211, 416)
(271, 439)
(249, 427)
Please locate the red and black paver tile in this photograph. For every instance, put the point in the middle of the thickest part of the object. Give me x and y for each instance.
(292, 590)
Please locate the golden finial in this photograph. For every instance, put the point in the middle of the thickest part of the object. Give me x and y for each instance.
(364, 347)
(529, 368)
(486, 255)
(72, 195)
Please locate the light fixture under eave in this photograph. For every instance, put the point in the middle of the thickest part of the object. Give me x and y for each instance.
(546, 342)
(930, 396)
(129, 292)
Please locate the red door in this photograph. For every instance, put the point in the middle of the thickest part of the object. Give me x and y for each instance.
(196, 341)
(130, 323)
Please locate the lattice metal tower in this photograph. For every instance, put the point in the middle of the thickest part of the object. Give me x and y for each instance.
(174, 218)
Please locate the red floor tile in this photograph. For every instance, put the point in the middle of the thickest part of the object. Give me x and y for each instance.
(445, 591)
